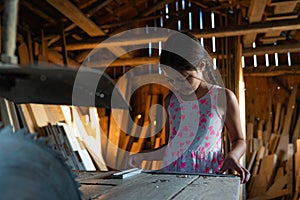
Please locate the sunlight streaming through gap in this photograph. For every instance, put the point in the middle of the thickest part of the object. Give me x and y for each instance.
(267, 60)
(201, 19)
(183, 4)
(289, 59)
(179, 25)
(202, 42)
(159, 47)
(212, 20)
(161, 20)
(214, 43)
(190, 21)
(254, 60)
(214, 63)
(201, 26)
(167, 11)
(150, 49)
(276, 60)
(243, 62)
(254, 56)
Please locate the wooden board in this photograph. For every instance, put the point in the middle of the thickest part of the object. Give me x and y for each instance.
(296, 134)
(210, 188)
(90, 135)
(282, 148)
(163, 186)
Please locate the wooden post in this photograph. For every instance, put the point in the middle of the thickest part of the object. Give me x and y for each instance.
(8, 110)
(9, 32)
(63, 45)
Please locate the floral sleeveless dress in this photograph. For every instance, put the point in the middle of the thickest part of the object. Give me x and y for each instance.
(195, 141)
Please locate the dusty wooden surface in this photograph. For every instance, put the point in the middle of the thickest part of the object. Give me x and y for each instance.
(158, 186)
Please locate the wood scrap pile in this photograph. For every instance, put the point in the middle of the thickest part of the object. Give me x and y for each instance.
(73, 132)
(273, 157)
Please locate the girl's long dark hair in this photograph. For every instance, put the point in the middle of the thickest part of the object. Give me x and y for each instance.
(183, 51)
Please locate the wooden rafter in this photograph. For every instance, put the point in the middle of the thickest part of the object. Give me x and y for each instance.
(37, 11)
(248, 52)
(157, 6)
(255, 14)
(271, 71)
(77, 17)
(282, 17)
(271, 50)
(200, 4)
(124, 62)
(216, 32)
(89, 14)
(57, 58)
(280, 8)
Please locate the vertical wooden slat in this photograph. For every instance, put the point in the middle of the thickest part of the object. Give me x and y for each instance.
(284, 138)
(63, 45)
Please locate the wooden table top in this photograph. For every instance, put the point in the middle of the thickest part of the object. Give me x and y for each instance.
(146, 186)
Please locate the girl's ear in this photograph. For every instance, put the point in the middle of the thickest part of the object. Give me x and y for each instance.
(202, 65)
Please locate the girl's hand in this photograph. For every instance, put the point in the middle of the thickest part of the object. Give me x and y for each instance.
(231, 162)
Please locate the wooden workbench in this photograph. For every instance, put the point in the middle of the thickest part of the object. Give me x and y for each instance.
(149, 186)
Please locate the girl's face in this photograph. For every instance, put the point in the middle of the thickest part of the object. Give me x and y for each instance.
(185, 82)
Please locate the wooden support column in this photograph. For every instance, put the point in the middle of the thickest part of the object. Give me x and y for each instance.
(63, 45)
(240, 93)
(9, 32)
(8, 110)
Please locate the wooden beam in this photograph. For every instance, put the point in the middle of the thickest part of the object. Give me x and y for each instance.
(131, 21)
(155, 7)
(281, 7)
(77, 17)
(248, 52)
(228, 31)
(255, 14)
(122, 62)
(84, 4)
(200, 4)
(271, 49)
(271, 71)
(284, 6)
(37, 11)
(269, 40)
(57, 58)
(132, 61)
(119, 52)
(256, 10)
(282, 3)
(249, 39)
(281, 17)
(158, 5)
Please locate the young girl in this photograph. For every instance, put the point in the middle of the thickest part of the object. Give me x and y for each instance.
(197, 108)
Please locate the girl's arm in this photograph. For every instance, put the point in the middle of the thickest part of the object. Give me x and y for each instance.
(238, 144)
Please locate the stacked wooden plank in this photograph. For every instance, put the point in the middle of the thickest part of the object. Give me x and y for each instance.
(56, 137)
(271, 153)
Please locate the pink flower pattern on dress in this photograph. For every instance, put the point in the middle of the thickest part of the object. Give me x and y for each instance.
(199, 151)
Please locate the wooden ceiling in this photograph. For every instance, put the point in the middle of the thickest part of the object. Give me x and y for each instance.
(82, 24)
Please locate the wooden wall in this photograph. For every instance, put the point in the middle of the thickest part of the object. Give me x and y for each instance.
(263, 94)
